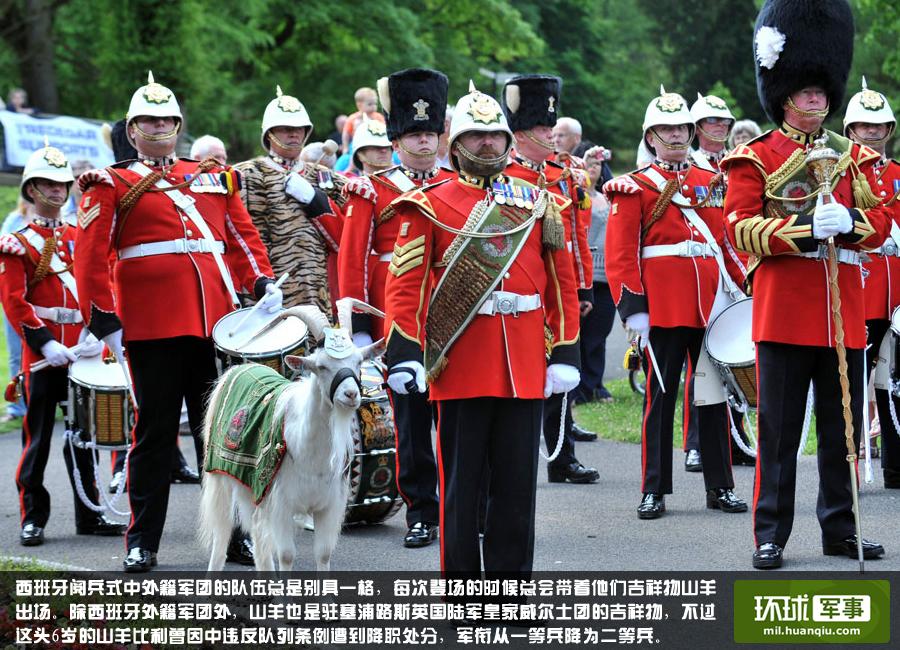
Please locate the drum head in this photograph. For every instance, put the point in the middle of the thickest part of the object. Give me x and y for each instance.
(729, 338)
(895, 321)
(286, 335)
(94, 372)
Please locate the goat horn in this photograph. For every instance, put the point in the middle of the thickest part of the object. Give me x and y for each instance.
(315, 320)
(345, 308)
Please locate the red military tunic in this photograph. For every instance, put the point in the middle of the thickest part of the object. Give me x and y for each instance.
(495, 356)
(791, 294)
(576, 218)
(367, 240)
(146, 291)
(19, 296)
(882, 284)
(675, 291)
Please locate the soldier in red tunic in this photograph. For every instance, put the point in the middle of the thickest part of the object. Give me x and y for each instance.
(473, 280)
(775, 212)
(665, 265)
(531, 106)
(869, 121)
(178, 232)
(414, 102)
(40, 300)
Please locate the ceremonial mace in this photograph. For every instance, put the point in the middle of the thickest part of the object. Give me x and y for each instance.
(820, 163)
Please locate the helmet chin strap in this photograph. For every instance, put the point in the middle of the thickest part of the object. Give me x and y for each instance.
(710, 137)
(286, 147)
(549, 146)
(866, 141)
(670, 146)
(46, 200)
(376, 166)
(488, 162)
(156, 137)
(427, 154)
(823, 113)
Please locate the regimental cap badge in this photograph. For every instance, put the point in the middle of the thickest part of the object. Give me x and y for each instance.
(376, 128)
(155, 93)
(53, 156)
(421, 113)
(869, 99)
(338, 343)
(287, 103)
(550, 104)
(670, 102)
(483, 108)
(715, 102)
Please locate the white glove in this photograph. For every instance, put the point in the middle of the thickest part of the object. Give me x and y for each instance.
(90, 346)
(299, 188)
(57, 354)
(411, 380)
(272, 301)
(638, 326)
(114, 343)
(831, 219)
(561, 378)
(362, 339)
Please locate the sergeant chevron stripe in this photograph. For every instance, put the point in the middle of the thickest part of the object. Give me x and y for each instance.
(86, 217)
(408, 256)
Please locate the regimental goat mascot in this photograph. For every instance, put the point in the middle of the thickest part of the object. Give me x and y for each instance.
(276, 448)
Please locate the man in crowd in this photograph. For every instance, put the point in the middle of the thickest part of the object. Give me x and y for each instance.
(869, 121)
(284, 205)
(566, 135)
(665, 265)
(473, 279)
(775, 212)
(41, 302)
(179, 232)
(209, 146)
(413, 102)
(531, 106)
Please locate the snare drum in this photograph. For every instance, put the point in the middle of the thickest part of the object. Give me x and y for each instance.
(374, 496)
(730, 345)
(290, 336)
(100, 409)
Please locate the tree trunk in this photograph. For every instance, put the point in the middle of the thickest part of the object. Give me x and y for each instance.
(36, 62)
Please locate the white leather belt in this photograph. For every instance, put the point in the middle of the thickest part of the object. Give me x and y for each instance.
(176, 246)
(844, 255)
(384, 257)
(888, 249)
(59, 315)
(682, 249)
(508, 303)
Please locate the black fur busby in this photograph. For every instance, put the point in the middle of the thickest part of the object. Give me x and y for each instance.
(815, 39)
(414, 100)
(122, 148)
(531, 100)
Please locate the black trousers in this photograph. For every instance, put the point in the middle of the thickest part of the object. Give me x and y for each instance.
(165, 372)
(416, 466)
(595, 327)
(503, 435)
(890, 440)
(784, 374)
(552, 409)
(672, 345)
(45, 389)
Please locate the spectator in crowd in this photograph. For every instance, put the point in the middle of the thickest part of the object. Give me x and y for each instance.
(17, 102)
(209, 146)
(566, 135)
(337, 134)
(15, 221)
(743, 131)
(597, 323)
(443, 154)
(366, 104)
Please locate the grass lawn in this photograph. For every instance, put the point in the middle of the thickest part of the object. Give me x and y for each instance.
(621, 419)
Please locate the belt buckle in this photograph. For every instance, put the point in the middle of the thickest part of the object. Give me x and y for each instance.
(889, 248)
(193, 245)
(65, 316)
(697, 249)
(506, 305)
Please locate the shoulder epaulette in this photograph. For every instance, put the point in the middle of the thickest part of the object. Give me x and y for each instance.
(94, 177)
(622, 185)
(743, 152)
(382, 172)
(361, 186)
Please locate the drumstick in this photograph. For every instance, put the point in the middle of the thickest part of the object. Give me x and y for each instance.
(43, 363)
(256, 306)
(656, 367)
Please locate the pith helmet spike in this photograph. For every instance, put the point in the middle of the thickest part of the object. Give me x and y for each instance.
(662, 90)
(150, 76)
(278, 92)
(472, 87)
(864, 84)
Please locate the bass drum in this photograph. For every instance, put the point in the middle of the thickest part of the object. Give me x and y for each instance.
(374, 496)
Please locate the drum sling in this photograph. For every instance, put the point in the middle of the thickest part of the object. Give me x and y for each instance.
(246, 439)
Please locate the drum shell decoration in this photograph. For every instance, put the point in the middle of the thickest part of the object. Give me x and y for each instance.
(100, 410)
(374, 496)
(289, 337)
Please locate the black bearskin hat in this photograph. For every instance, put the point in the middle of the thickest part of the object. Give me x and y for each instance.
(531, 100)
(414, 100)
(799, 43)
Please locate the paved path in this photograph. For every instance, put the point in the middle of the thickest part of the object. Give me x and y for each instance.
(591, 527)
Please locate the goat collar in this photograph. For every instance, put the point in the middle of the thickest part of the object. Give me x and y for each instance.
(339, 376)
